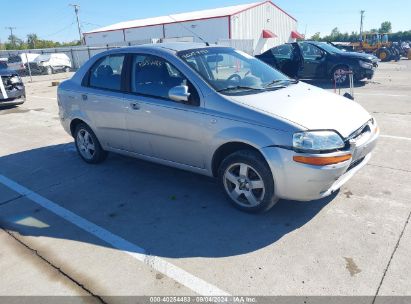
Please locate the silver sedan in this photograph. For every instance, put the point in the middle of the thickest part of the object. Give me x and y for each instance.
(219, 112)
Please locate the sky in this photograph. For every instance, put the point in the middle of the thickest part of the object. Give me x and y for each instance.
(55, 20)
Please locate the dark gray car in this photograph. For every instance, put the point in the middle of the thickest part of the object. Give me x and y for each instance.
(12, 90)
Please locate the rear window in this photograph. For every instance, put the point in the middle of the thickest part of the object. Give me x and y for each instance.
(106, 73)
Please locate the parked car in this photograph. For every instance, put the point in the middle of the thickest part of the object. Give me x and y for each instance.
(12, 90)
(51, 63)
(319, 60)
(218, 112)
(18, 62)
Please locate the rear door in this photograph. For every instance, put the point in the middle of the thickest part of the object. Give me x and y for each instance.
(103, 101)
(174, 129)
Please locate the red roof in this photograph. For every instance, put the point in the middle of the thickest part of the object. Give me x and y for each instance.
(269, 34)
(296, 35)
(184, 17)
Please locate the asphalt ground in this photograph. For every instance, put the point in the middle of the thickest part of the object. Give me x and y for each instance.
(131, 228)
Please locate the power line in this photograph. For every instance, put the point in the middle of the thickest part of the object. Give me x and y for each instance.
(59, 31)
(76, 10)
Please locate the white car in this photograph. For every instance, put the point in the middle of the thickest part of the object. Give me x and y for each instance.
(51, 63)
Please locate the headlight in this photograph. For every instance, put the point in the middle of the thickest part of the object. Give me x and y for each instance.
(365, 65)
(317, 141)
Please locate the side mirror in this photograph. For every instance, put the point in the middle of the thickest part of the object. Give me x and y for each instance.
(179, 93)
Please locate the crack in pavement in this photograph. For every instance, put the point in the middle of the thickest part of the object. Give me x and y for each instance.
(391, 168)
(36, 253)
(391, 257)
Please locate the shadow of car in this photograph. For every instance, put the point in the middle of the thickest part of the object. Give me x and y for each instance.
(169, 212)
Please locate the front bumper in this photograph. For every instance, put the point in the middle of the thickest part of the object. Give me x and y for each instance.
(302, 182)
(12, 101)
(364, 73)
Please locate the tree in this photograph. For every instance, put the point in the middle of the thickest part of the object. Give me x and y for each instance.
(386, 27)
(14, 40)
(316, 37)
(32, 40)
(335, 32)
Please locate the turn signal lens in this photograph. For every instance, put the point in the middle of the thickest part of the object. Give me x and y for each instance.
(321, 161)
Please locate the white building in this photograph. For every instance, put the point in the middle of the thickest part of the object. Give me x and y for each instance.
(253, 27)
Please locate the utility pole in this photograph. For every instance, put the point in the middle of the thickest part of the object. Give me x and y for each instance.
(361, 24)
(76, 9)
(10, 28)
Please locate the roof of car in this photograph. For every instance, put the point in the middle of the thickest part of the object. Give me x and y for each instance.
(178, 46)
(170, 46)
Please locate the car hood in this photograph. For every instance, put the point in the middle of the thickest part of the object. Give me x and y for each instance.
(361, 56)
(310, 107)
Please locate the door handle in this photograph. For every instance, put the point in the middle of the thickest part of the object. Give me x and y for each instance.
(135, 106)
(84, 96)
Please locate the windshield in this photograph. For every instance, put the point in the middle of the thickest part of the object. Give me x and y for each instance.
(45, 57)
(231, 71)
(329, 48)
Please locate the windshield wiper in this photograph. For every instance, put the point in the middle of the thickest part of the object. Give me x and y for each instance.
(278, 81)
(236, 88)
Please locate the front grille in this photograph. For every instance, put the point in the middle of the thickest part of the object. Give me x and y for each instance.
(355, 164)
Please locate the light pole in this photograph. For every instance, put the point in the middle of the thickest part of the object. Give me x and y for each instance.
(76, 10)
(361, 24)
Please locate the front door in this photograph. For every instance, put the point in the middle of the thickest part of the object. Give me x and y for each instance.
(174, 129)
(314, 61)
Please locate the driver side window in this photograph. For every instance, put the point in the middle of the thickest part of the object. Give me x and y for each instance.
(310, 51)
(154, 76)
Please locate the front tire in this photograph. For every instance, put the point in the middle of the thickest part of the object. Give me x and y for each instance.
(88, 146)
(384, 54)
(247, 181)
(340, 75)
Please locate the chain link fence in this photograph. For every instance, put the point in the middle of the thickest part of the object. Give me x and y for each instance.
(80, 54)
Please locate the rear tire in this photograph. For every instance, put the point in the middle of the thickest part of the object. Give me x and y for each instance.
(87, 145)
(49, 70)
(247, 181)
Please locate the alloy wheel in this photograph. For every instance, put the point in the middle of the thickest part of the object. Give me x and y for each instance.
(340, 75)
(244, 185)
(85, 144)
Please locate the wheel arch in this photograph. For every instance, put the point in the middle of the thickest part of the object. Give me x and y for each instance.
(228, 148)
(74, 123)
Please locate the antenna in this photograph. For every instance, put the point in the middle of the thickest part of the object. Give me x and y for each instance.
(192, 32)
